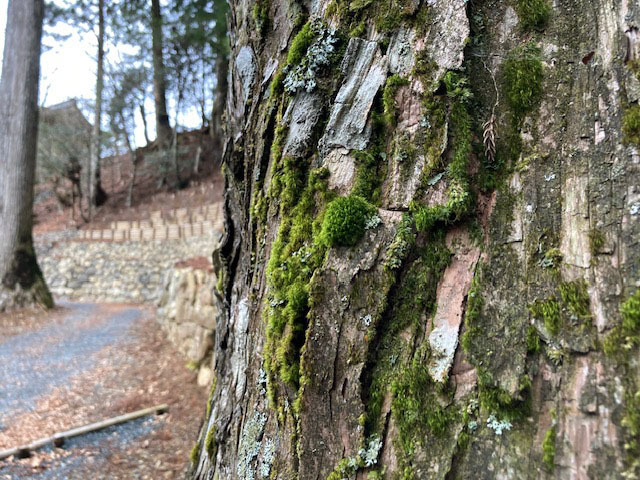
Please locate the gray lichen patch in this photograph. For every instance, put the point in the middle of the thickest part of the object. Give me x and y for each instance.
(250, 446)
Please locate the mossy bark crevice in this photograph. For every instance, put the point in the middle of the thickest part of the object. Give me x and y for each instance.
(517, 254)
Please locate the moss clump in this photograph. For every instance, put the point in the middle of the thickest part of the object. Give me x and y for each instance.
(549, 312)
(220, 284)
(631, 125)
(459, 197)
(630, 311)
(359, 30)
(368, 180)
(572, 308)
(523, 75)
(552, 259)
(210, 442)
(403, 240)
(475, 303)
(370, 171)
(634, 66)
(297, 50)
(415, 407)
(389, 15)
(622, 344)
(625, 336)
(194, 455)
(345, 221)
(494, 400)
(394, 82)
(576, 299)
(300, 44)
(533, 14)
(549, 448)
(533, 340)
(631, 421)
(260, 14)
(210, 399)
(295, 255)
(596, 241)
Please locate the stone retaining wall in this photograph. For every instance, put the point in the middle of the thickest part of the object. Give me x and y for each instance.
(188, 310)
(116, 272)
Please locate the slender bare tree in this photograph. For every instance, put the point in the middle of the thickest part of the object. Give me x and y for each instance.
(94, 163)
(21, 281)
(163, 128)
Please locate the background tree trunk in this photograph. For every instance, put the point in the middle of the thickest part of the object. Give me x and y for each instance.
(163, 129)
(20, 276)
(143, 115)
(217, 131)
(485, 322)
(219, 103)
(97, 196)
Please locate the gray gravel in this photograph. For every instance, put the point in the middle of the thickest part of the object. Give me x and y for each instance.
(76, 466)
(34, 363)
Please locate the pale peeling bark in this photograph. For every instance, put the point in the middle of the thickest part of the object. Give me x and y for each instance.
(21, 281)
(468, 333)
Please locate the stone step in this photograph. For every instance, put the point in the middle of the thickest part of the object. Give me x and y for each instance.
(204, 220)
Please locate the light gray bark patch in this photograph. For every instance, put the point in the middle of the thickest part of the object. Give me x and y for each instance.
(269, 70)
(366, 72)
(246, 68)
(447, 36)
(400, 53)
(302, 116)
(238, 360)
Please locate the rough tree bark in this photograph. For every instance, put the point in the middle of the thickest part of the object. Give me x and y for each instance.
(21, 281)
(163, 129)
(483, 320)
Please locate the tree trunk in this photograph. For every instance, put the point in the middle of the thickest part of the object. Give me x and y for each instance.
(143, 114)
(134, 168)
(431, 265)
(219, 104)
(20, 276)
(96, 194)
(163, 129)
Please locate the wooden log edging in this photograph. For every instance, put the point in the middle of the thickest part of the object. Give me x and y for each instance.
(58, 439)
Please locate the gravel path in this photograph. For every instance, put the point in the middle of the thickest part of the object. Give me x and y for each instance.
(36, 362)
(93, 363)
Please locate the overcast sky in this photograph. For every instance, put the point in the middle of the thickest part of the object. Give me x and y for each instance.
(67, 70)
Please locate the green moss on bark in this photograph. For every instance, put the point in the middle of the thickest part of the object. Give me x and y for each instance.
(459, 198)
(549, 448)
(533, 14)
(345, 221)
(394, 82)
(622, 345)
(415, 407)
(523, 74)
(631, 125)
(549, 312)
(295, 255)
(412, 300)
(625, 336)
